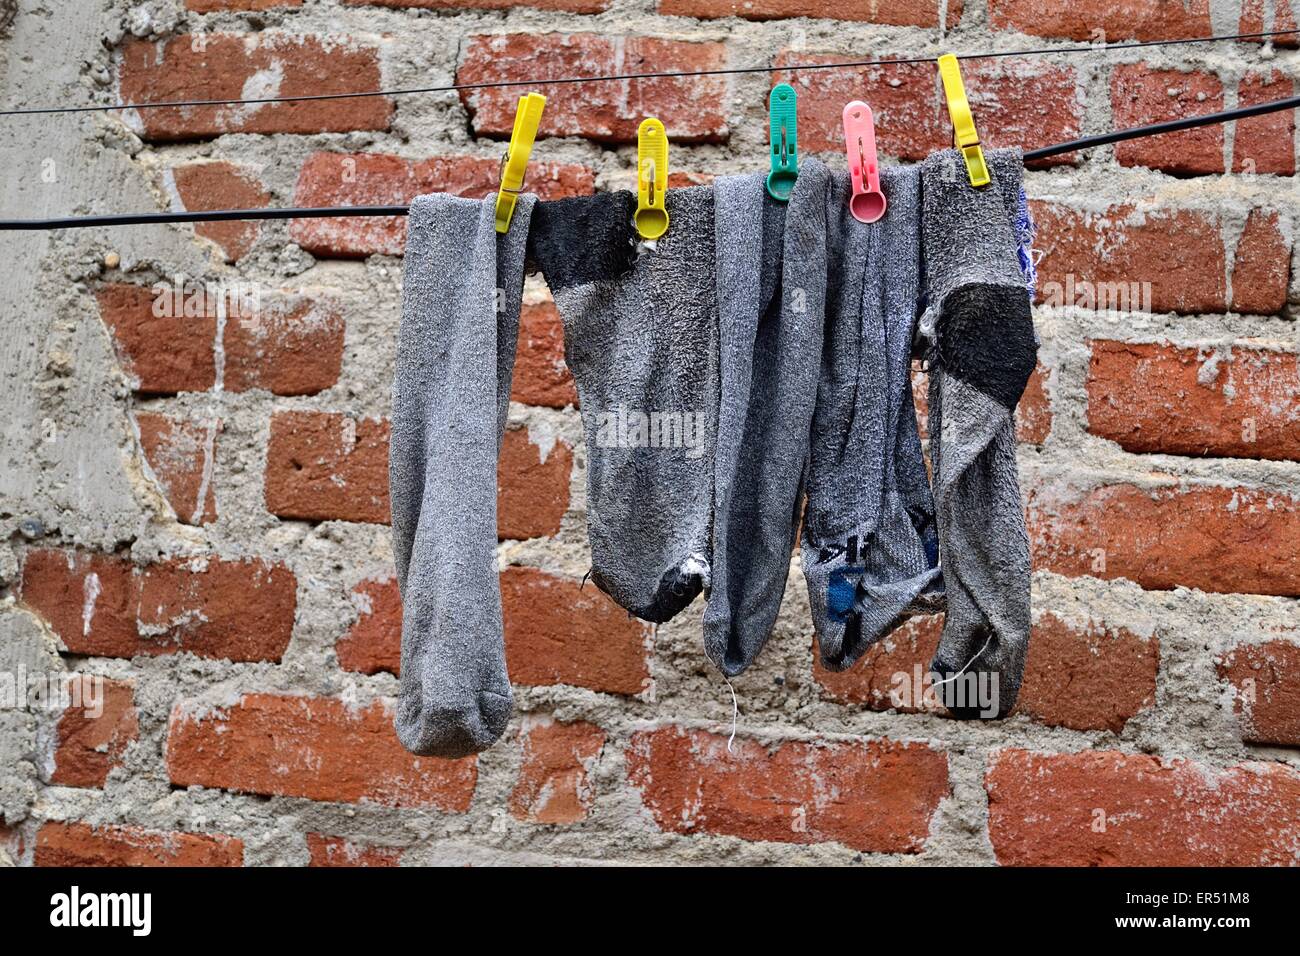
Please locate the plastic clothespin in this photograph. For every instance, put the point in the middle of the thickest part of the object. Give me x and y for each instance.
(515, 159)
(867, 202)
(963, 124)
(782, 114)
(651, 179)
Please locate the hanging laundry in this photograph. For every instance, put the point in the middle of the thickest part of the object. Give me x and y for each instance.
(462, 289)
(641, 339)
(982, 349)
(870, 547)
(771, 281)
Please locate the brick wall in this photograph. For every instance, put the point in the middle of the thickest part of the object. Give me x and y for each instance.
(216, 547)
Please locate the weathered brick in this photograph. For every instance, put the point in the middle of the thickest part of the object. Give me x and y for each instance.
(906, 13)
(1091, 677)
(553, 784)
(1104, 808)
(380, 179)
(542, 376)
(94, 731)
(198, 187)
(1216, 538)
(327, 466)
(337, 852)
(289, 346)
(877, 796)
(1104, 20)
(1256, 18)
(558, 632)
(693, 109)
(374, 642)
(320, 748)
(1033, 413)
(1266, 681)
(232, 66)
(181, 455)
(1139, 95)
(79, 844)
(532, 486)
(1265, 144)
(1158, 259)
(1238, 403)
(102, 605)
(1023, 104)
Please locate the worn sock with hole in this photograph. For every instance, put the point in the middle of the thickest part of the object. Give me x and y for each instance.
(641, 338)
(771, 278)
(982, 351)
(869, 546)
(461, 297)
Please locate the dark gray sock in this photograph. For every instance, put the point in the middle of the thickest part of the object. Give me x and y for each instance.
(983, 350)
(771, 278)
(641, 338)
(462, 285)
(869, 545)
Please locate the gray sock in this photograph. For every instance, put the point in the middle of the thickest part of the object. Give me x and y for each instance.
(870, 547)
(771, 278)
(451, 394)
(641, 338)
(983, 350)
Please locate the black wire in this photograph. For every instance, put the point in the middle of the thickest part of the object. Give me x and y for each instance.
(224, 215)
(726, 71)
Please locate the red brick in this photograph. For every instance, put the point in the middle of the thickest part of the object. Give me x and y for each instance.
(379, 179)
(1160, 259)
(681, 178)
(374, 642)
(693, 109)
(872, 680)
(320, 748)
(220, 185)
(1104, 20)
(1218, 539)
(1265, 144)
(877, 796)
(565, 6)
(181, 455)
(1261, 270)
(1103, 808)
(87, 747)
(1194, 401)
(1022, 104)
(542, 376)
(1139, 96)
(1266, 681)
(290, 346)
(104, 606)
(327, 466)
(1033, 414)
(1254, 20)
(553, 784)
(247, 66)
(906, 13)
(338, 852)
(560, 633)
(1093, 677)
(79, 844)
(532, 486)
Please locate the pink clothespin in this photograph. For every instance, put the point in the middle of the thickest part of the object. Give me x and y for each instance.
(867, 202)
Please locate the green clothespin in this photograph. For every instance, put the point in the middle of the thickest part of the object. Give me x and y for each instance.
(781, 108)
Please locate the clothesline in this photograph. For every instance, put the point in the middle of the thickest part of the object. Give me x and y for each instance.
(285, 213)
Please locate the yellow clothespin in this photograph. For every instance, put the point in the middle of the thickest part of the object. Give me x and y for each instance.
(651, 179)
(515, 159)
(963, 124)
